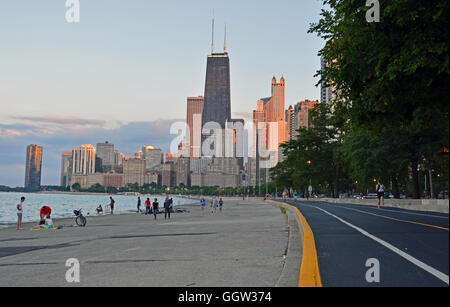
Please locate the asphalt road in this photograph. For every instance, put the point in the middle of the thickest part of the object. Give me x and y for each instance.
(412, 248)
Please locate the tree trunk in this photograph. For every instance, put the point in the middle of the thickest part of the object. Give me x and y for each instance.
(415, 178)
(431, 184)
(336, 183)
(395, 187)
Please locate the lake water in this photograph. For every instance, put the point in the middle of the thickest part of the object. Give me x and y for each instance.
(63, 204)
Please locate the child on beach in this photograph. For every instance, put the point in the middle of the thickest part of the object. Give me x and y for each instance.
(203, 203)
(48, 223)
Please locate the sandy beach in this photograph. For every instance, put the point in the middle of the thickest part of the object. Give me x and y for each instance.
(242, 246)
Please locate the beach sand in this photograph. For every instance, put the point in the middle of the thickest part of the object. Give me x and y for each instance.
(241, 247)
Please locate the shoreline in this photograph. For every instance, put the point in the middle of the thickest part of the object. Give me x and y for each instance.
(72, 218)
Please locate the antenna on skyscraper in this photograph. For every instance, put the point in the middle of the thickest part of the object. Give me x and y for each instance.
(225, 40)
(212, 42)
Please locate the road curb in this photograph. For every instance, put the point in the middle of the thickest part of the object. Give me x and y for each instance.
(291, 270)
(309, 275)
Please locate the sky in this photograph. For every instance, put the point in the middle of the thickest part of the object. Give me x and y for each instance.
(124, 71)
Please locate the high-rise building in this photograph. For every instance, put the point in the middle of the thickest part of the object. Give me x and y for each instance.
(168, 175)
(133, 171)
(194, 123)
(269, 121)
(153, 157)
(304, 115)
(33, 166)
(217, 99)
(183, 169)
(83, 160)
(66, 169)
(106, 152)
(217, 103)
(291, 125)
(326, 92)
(299, 116)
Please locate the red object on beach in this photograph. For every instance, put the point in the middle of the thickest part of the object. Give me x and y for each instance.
(46, 210)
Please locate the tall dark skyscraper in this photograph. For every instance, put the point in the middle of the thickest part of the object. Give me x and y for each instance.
(33, 166)
(217, 105)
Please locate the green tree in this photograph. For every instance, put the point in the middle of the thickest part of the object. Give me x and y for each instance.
(392, 74)
(76, 187)
(313, 157)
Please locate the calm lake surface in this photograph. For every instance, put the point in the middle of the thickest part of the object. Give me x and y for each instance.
(63, 204)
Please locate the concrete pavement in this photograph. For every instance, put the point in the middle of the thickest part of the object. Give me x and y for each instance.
(243, 246)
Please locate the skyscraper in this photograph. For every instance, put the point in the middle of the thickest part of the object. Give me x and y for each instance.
(133, 171)
(326, 92)
(66, 168)
(270, 122)
(299, 116)
(194, 122)
(83, 160)
(106, 152)
(33, 166)
(217, 105)
(153, 157)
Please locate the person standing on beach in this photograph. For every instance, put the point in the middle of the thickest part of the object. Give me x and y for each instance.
(155, 208)
(148, 209)
(112, 205)
(139, 205)
(20, 213)
(220, 204)
(167, 207)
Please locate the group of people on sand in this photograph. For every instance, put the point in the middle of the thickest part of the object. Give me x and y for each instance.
(45, 212)
(215, 203)
(153, 207)
(112, 202)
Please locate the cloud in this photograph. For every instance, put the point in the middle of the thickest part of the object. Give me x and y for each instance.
(243, 115)
(62, 120)
(9, 133)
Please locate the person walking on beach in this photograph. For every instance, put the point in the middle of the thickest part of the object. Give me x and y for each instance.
(139, 205)
(155, 208)
(167, 207)
(214, 204)
(220, 204)
(203, 204)
(112, 205)
(380, 192)
(20, 213)
(148, 209)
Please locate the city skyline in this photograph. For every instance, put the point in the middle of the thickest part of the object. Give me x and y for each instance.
(33, 126)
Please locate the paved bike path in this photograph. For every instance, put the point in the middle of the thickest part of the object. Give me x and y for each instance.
(343, 250)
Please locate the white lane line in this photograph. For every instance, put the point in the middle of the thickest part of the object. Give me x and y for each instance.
(394, 211)
(408, 257)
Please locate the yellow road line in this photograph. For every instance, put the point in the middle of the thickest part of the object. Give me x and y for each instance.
(309, 275)
(309, 271)
(394, 219)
